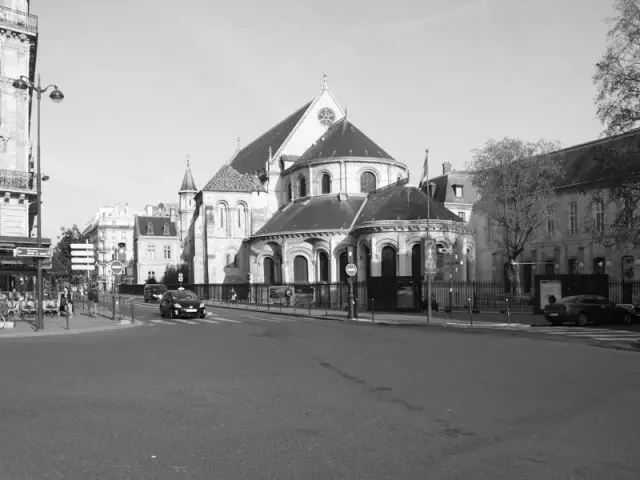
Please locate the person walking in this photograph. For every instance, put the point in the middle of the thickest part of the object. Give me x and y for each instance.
(93, 301)
(66, 303)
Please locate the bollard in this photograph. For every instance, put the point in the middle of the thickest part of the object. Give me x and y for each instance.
(507, 311)
(113, 310)
(373, 310)
(470, 313)
(133, 317)
(66, 314)
(309, 307)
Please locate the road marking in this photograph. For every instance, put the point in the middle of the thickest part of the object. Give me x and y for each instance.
(220, 319)
(162, 322)
(614, 338)
(206, 320)
(183, 321)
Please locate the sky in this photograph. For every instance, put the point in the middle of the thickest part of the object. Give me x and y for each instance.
(147, 83)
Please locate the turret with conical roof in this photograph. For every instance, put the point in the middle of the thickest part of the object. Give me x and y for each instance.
(187, 206)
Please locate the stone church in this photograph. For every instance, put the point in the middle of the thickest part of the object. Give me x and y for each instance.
(288, 206)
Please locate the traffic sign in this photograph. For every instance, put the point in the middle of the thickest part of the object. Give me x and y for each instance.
(90, 260)
(116, 267)
(82, 246)
(33, 252)
(82, 253)
(351, 269)
(83, 266)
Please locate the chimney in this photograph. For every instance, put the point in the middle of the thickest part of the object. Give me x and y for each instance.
(446, 168)
(149, 210)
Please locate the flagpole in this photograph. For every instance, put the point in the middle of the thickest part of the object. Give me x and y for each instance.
(428, 242)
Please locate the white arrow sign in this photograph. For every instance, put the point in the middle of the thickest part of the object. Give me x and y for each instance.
(82, 253)
(82, 260)
(82, 246)
(82, 267)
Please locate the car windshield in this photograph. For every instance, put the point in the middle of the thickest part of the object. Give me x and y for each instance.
(572, 299)
(185, 295)
(157, 289)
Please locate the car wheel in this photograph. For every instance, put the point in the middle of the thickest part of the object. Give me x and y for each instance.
(582, 319)
(626, 319)
(203, 315)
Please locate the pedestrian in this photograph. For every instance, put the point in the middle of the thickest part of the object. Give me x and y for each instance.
(66, 303)
(93, 301)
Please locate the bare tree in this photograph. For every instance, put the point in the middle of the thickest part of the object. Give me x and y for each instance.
(617, 76)
(515, 182)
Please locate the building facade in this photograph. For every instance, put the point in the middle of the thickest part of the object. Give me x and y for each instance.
(569, 241)
(156, 247)
(111, 231)
(18, 48)
(291, 205)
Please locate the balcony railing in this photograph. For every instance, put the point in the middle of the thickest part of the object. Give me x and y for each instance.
(21, 20)
(15, 179)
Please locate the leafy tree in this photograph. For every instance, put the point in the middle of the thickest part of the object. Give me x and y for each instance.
(617, 76)
(515, 184)
(62, 250)
(170, 276)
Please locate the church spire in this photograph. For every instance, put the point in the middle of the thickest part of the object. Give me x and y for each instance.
(324, 82)
(188, 184)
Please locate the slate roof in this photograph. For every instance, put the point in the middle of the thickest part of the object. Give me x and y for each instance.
(443, 187)
(188, 184)
(158, 226)
(254, 156)
(228, 179)
(589, 162)
(402, 202)
(342, 139)
(325, 212)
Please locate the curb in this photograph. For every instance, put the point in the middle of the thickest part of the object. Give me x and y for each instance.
(52, 333)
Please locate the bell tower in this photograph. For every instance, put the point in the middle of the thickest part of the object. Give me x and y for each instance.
(187, 206)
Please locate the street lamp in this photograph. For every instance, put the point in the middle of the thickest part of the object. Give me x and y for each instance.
(23, 83)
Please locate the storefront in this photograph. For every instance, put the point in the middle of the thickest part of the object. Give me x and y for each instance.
(19, 272)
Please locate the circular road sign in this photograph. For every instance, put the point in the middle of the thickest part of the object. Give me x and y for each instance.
(351, 269)
(116, 267)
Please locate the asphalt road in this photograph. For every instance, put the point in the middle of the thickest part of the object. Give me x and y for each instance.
(307, 399)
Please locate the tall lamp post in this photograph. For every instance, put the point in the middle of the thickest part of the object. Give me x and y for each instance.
(23, 83)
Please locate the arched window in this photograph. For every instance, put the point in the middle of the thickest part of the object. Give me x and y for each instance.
(367, 182)
(388, 262)
(344, 260)
(300, 270)
(302, 187)
(289, 192)
(149, 228)
(326, 183)
(416, 261)
(269, 271)
(323, 267)
(241, 220)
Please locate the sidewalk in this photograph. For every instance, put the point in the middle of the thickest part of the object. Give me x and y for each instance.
(399, 319)
(80, 323)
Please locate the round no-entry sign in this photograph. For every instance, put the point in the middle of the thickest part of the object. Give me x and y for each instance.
(351, 269)
(116, 267)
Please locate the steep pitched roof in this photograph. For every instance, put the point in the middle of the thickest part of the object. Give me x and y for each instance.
(326, 212)
(254, 156)
(342, 139)
(157, 224)
(400, 201)
(443, 188)
(228, 179)
(188, 184)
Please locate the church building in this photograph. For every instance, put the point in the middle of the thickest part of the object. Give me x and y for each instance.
(289, 207)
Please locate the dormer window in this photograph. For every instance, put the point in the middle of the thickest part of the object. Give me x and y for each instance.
(149, 228)
(165, 229)
(457, 191)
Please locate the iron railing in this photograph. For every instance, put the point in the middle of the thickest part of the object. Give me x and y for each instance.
(15, 18)
(16, 179)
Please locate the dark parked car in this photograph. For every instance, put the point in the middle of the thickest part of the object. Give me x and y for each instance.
(153, 292)
(181, 303)
(584, 309)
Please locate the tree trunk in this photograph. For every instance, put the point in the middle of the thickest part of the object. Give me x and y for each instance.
(514, 279)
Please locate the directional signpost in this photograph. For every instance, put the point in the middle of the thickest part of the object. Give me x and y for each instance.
(83, 257)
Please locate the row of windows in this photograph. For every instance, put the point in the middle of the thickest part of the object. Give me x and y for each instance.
(368, 183)
(221, 218)
(151, 252)
(272, 266)
(166, 229)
